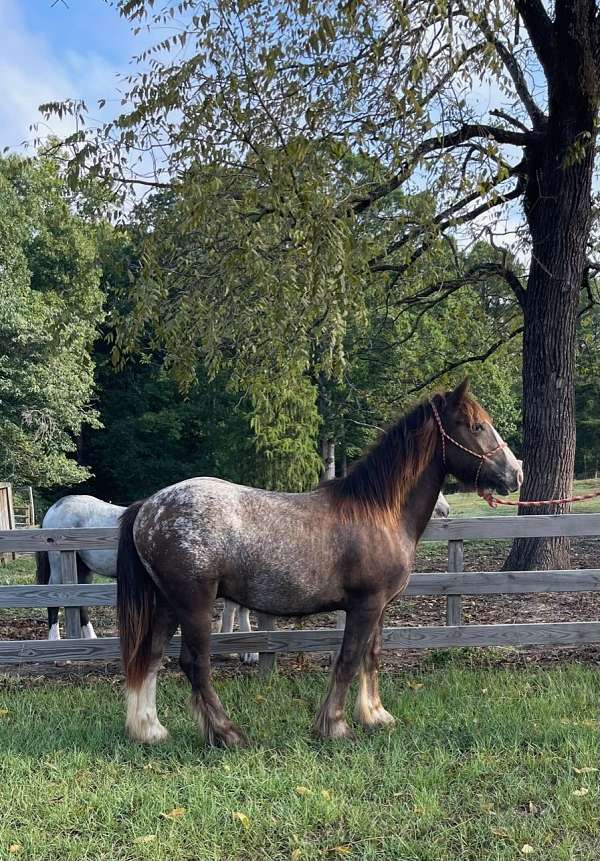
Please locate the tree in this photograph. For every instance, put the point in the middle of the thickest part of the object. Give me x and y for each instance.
(268, 100)
(50, 306)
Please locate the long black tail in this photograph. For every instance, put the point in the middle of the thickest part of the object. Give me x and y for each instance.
(136, 603)
(42, 568)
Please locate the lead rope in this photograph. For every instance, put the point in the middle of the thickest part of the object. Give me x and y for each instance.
(494, 502)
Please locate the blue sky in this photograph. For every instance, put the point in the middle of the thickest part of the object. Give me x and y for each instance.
(58, 51)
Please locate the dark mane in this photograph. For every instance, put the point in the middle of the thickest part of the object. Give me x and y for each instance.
(378, 484)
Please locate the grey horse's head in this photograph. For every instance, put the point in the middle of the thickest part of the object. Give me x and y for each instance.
(442, 509)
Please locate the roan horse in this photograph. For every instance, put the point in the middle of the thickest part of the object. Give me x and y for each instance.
(348, 545)
(81, 511)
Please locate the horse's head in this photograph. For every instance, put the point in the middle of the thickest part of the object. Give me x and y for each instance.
(472, 448)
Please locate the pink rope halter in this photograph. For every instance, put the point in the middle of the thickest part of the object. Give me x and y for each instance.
(491, 500)
(481, 456)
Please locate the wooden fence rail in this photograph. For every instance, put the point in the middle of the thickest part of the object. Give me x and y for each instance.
(269, 641)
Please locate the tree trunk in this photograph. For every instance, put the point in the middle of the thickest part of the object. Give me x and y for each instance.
(558, 206)
(328, 453)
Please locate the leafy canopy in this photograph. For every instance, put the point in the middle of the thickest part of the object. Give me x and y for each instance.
(50, 305)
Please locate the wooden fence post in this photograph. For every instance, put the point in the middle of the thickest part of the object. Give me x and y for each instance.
(456, 560)
(267, 661)
(31, 506)
(68, 574)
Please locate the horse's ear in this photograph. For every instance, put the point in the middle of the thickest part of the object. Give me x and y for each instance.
(458, 395)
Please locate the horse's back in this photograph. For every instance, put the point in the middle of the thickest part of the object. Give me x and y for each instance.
(277, 552)
(80, 511)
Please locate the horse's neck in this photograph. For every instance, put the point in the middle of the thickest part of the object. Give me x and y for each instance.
(419, 505)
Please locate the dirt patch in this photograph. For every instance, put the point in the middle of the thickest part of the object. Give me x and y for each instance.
(485, 609)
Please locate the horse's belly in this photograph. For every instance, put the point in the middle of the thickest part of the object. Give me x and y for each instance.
(103, 562)
(285, 587)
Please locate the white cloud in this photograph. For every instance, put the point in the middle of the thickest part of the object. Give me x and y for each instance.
(30, 74)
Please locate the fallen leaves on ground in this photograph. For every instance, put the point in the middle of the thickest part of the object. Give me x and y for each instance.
(145, 838)
(242, 819)
(176, 813)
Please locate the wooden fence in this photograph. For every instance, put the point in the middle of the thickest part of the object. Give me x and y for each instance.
(269, 641)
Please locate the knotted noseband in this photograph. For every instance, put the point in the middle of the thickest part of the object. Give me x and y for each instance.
(481, 456)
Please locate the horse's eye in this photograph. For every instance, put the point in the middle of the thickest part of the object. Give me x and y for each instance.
(477, 428)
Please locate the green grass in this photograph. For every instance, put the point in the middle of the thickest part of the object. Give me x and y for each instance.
(20, 571)
(482, 763)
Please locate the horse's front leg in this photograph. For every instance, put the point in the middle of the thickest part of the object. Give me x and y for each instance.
(360, 624)
(369, 710)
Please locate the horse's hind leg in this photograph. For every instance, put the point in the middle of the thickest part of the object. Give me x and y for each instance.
(84, 575)
(369, 710)
(244, 623)
(360, 624)
(142, 721)
(54, 580)
(227, 617)
(195, 662)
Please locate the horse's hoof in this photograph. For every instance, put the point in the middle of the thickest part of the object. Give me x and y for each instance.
(333, 730)
(147, 733)
(250, 658)
(380, 719)
(87, 632)
(230, 737)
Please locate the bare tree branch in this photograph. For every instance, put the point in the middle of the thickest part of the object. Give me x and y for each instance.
(536, 115)
(497, 112)
(541, 32)
(465, 361)
(441, 222)
(438, 142)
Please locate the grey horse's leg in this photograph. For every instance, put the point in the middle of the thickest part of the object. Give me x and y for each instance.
(55, 580)
(368, 709)
(244, 623)
(227, 620)
(360, 625)
(142, 721)
(227, 616)
(84, 575)
(195, 662)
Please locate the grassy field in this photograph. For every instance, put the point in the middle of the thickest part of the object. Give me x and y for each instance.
(483, 765)
(19, 571)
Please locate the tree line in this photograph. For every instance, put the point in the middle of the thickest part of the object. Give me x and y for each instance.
(76, 417)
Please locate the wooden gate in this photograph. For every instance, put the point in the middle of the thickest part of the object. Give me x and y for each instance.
(7, 512)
